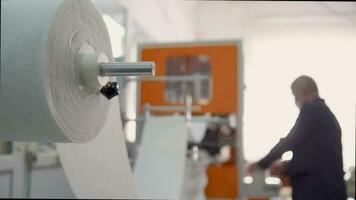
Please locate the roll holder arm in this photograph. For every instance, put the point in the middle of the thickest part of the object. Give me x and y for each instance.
(92, 68)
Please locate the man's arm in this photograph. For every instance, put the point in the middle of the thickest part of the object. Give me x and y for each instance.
(299, 133)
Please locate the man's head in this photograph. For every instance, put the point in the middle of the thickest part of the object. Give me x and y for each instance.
(304, 90)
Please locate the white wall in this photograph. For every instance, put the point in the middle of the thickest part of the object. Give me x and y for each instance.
(221, 20)
(153, 20)
(165, 20)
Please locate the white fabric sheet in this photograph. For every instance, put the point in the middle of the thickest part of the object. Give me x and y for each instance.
(100, 168)
(159, 168)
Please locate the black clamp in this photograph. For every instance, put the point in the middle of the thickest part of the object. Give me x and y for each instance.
(110, 90)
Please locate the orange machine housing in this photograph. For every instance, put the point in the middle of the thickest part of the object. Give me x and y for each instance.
(224, 67)
(222, 179)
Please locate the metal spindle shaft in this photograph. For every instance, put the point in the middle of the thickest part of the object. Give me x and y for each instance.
(127, 69)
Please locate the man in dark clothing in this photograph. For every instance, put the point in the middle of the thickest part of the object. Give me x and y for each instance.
(316, 169)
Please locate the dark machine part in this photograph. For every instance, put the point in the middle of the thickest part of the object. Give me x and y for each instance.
(110, 90)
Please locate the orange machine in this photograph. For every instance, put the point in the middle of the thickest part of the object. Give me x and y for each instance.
(221, 94)
(222, 179)
(223, 65)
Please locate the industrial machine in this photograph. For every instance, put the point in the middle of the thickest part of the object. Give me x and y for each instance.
(211, 73)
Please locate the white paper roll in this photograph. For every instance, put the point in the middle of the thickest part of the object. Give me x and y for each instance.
(159, 169)
(40, 95)
(100, 168)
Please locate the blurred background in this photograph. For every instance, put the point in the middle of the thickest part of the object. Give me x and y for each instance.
(281, 40)
(273, 43)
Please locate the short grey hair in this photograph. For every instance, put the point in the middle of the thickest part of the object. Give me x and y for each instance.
(304, 83)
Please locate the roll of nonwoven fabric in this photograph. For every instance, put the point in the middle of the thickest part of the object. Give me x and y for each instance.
(40, 96)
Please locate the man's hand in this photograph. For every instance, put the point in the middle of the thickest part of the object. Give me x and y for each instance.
(251, 168)
(277, 168)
